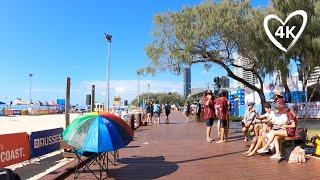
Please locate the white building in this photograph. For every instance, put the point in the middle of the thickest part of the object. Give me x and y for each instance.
(246, 75)
(314, 76)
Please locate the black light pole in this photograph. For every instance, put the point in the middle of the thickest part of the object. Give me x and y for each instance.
(30, 78)
(108, 38)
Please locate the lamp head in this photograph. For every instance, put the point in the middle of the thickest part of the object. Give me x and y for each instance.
(108, 37)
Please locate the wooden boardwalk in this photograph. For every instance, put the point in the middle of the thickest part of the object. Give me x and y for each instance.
(179, 151)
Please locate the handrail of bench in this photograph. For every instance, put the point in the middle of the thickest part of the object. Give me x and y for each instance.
(292, 138)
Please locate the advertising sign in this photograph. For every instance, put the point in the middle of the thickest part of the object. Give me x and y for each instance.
(241, 95)
(16, 112)
(14, 148)
(44, 142)
(309, 110)
(8, 112)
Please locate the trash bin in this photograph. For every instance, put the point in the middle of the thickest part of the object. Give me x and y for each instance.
(317, 147)
(316, 144)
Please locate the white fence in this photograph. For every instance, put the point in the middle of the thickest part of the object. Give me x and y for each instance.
(310, 110)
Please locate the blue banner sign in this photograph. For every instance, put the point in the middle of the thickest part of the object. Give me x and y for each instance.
(44, 142)
(16, 112)
(241, 95)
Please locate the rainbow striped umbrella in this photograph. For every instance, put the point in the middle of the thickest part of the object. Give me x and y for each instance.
(98, 132)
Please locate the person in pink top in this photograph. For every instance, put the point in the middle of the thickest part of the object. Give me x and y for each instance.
(209, 113)
(286, 130)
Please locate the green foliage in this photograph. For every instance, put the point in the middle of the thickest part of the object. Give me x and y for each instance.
(163, 98)
(235, 118)
(211, 32)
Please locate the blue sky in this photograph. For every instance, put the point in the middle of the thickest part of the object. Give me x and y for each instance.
(56, 39)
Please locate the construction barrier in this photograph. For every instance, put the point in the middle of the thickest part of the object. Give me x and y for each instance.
(44, 142)
(8, 112)
(16, 112)
(14, 148)
(24, 112)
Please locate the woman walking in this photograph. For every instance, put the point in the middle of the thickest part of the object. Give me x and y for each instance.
(187, 111)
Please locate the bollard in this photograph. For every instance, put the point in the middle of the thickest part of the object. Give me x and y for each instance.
(139, 120)
(131, 120)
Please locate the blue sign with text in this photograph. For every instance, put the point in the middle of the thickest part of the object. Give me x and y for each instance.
(44, 142)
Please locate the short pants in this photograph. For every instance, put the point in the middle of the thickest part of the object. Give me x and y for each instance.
(209, 122)
(223, 123)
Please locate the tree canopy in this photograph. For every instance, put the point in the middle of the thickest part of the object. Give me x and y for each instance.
(163, 98)
(213, 32)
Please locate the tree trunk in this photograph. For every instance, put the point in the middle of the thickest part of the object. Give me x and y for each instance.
(253, 87)
(287, 90)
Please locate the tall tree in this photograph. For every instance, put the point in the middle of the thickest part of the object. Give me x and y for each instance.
(212, 33)
(306, 52)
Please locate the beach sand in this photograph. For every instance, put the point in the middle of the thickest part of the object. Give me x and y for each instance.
(17, 124)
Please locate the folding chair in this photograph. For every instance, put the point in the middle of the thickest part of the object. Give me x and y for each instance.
(115, 155)
(93, 158)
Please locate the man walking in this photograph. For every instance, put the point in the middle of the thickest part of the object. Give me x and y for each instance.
(167, 109)
(198, 110)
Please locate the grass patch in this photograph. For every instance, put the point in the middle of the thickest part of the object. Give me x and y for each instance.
(235, 118)
(313, 132)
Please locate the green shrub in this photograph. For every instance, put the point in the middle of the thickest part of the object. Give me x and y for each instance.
(235, 118)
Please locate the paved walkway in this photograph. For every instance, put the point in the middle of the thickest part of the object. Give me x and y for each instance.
(179, 151)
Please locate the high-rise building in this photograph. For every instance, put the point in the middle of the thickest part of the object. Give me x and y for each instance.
(314, 76)
(186, 81)
(240, 72)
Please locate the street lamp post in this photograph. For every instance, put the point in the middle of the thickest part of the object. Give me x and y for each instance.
(148, 92)
(138, 89)
(108, 38)
(30, 78)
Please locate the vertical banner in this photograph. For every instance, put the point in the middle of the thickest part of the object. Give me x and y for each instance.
(241, 95)
(44, 142)
(14, 148)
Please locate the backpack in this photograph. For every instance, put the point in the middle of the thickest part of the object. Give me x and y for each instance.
(302, 133)
(167, 108)
(8, 174)
(297, 155)
(156, 108)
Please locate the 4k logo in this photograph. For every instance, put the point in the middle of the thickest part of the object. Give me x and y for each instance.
(285, 31)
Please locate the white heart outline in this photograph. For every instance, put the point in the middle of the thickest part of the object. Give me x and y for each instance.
(273, 16)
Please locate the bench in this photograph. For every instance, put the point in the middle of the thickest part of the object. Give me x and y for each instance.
(292, 142)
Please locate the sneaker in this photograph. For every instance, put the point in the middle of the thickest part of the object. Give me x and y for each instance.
(275, 157)
(261, 151)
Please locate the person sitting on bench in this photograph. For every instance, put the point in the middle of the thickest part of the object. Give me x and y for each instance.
(247, 122)
(286, 130)
(268, 119)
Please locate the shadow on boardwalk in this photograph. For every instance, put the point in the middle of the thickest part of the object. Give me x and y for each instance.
(143, 167)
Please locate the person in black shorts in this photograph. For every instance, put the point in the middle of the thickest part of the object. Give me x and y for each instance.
(167, 109)
(149, 110)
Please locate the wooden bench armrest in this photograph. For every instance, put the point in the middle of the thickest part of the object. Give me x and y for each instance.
(292, 138)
